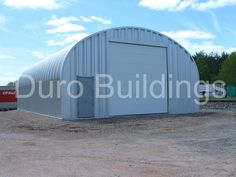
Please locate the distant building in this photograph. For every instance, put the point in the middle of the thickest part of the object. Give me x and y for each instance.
(8, 97)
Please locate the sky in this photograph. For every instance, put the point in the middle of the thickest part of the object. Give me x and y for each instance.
(33, 29)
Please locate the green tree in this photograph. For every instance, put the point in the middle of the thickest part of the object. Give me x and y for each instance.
(209, 65)
(12, 83)
(202, 65)
(228, 70)
(215, 62)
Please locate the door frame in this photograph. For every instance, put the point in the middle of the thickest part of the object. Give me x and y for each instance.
(78, 101)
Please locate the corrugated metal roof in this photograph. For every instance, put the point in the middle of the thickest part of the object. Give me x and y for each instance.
(48, 68)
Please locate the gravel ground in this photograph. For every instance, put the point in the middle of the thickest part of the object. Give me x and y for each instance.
(229, 106)
(195, 145)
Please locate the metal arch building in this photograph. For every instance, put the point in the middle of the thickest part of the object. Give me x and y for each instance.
(122, 53)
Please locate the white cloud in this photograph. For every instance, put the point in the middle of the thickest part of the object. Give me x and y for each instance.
(160, 4)
(34, 4)
(63, 25)
(177, 5)
(38, 54)
(195, 41)
(86, 19)
(68, 39)
(6, 57)
(55, 21)
(101, 20)
(91, 19)
(69, 29)
(212, 4)
(66, 28)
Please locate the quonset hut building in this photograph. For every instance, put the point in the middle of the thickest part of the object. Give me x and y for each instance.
(126, 54)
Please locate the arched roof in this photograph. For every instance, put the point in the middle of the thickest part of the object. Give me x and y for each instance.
(51, 67)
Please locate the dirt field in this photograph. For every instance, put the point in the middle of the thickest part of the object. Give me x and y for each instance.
(195, 145)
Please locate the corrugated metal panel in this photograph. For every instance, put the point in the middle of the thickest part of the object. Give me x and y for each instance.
(48, 69)
(89, 57)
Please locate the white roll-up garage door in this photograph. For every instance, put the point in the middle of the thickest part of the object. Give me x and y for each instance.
(134, 63)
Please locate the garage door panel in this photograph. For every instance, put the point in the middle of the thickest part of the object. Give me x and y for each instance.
(124, 62)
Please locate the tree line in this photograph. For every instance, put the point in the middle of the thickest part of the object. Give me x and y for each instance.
(217, 67)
